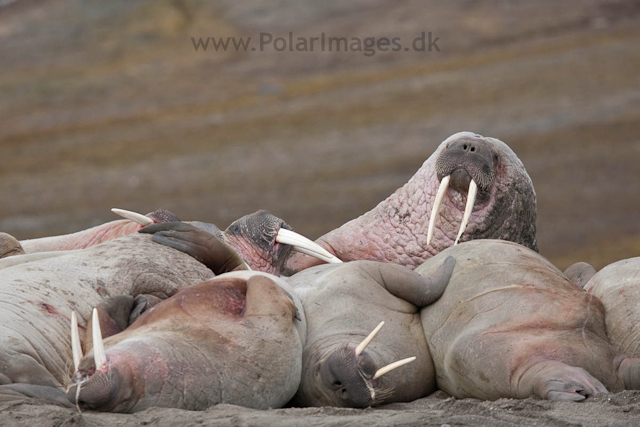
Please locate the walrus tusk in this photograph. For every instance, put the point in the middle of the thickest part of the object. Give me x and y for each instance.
(76, 350)
(442, 190)
(471, 200)
(133, 216)
(380, 372)
(360, 348)
(306, 246)
(99, 355)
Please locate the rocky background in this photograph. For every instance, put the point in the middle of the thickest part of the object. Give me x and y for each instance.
(107, 104)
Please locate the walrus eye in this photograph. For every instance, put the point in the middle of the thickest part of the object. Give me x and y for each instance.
(337, 383)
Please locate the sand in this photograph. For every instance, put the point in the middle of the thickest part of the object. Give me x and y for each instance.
(618, 409)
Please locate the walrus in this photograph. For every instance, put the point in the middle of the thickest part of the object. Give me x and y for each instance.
(236, 338)
(472, 187)
(510, 324)
(342, 304)
(618, 287)
(99, 234)
(255, 237)
(39, 295)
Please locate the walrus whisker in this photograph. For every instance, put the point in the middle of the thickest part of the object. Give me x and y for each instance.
(442, 190)
(99, 355)
(390, 367)
(360, 348)
(76, 350)
(306, 246)
(471, 200)
(133, 216)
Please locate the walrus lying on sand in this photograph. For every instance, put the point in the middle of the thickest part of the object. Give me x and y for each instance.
(242, 235)
(510, 324)
(236, 339)
(342, 303)
(472, 187)
(342, 364)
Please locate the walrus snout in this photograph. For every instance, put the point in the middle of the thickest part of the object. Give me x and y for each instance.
(471, 155)
(98, 391)
(261, 230)
(467, 162)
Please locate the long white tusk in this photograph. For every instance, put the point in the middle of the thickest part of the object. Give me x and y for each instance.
(380, 372)
(442, 190)
(99, 355)
(76, 350)
(360, 348)
(471, 200)
(306, 246)
(133, 216)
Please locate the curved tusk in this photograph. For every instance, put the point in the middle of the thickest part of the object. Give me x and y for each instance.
(360, 348)
(306, 246)
(442, 190)
(380, 372)
(133, 216)
(99, 355)
(76, 350)
(471, 200)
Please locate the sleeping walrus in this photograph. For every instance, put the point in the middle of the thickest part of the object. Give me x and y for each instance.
(39, 295)
(510, 324)
(343, 365)
(236, 339)
(472, 187)
(242, 235)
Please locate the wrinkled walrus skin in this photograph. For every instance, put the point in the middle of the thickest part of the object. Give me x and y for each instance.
(235, 339)
(343, 303)
(510, 324)
(396, 230)
(38, 298)
(618, 287)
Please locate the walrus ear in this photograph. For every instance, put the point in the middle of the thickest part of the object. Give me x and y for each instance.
(113, 315)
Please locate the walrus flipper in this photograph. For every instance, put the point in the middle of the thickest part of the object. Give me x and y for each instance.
(629, 372)
(9, 246)
(580, 273)
(558, 381)
(410, 286)
(26, 392)
(201, 245)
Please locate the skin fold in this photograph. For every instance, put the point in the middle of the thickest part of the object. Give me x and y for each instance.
(512, 325)
(396, 230)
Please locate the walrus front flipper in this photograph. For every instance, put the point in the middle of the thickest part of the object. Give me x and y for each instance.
(580, 273)
(24, 392)
(9, 246)
(409, 285)
(201, 245)
(555, 380)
